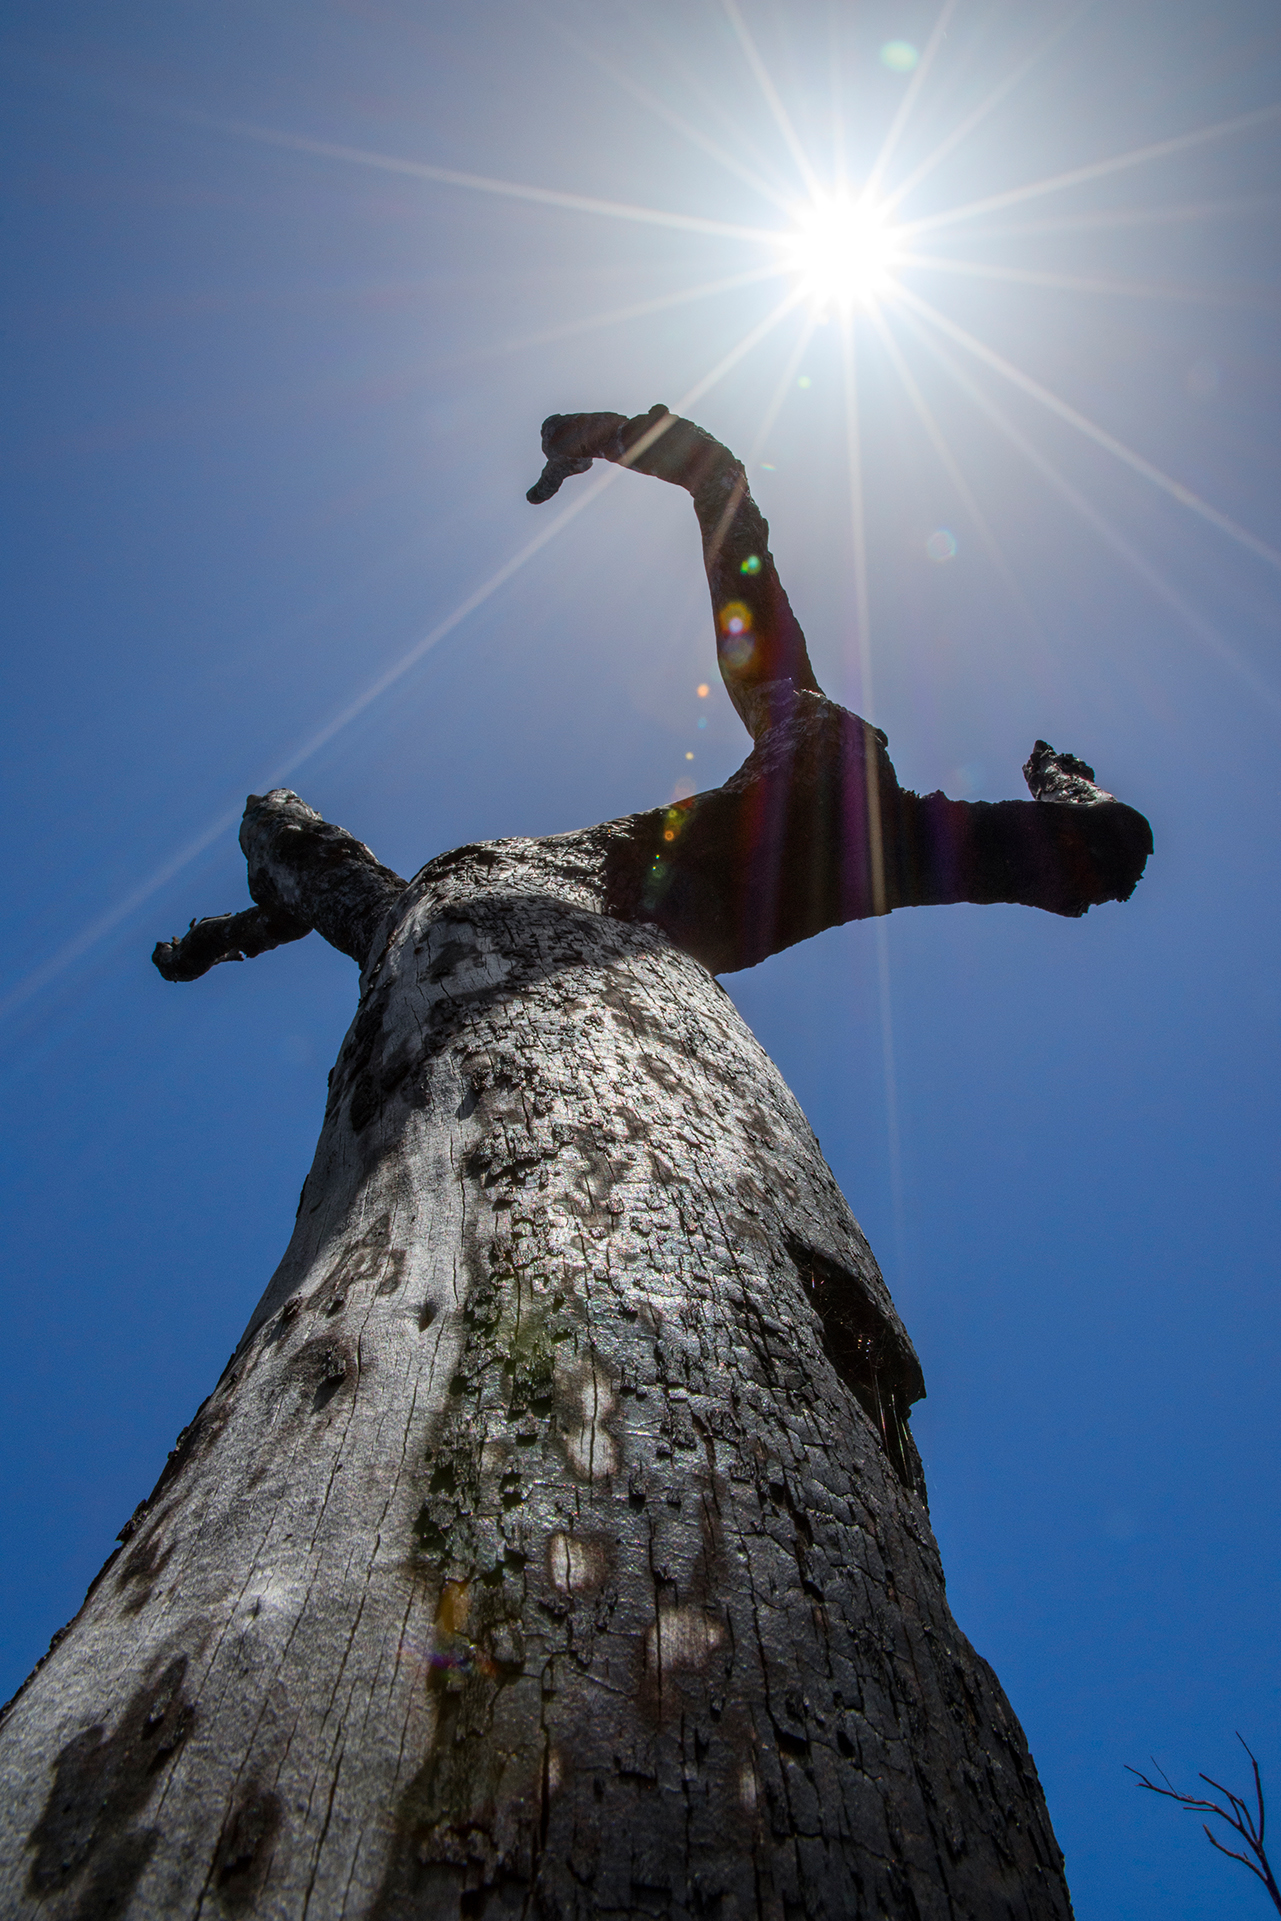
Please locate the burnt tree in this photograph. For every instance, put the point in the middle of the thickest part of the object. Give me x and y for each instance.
(555, 1542)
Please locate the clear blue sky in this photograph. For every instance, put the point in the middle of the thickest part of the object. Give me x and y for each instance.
(271, 412)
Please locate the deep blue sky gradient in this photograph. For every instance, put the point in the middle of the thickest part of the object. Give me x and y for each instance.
(270, 419)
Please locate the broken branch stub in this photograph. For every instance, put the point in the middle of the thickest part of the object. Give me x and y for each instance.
(224, 937)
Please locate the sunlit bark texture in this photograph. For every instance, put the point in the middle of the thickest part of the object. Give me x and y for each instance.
(555, 1543)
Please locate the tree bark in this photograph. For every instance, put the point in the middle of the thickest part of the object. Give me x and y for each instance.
(554, 1542)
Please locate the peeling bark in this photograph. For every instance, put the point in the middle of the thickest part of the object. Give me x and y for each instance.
(555, 1543)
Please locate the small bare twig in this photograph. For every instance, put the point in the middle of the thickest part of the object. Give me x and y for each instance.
(1236, 1815)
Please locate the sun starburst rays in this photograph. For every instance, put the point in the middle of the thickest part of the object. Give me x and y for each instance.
(1099, 523)
(845, 249)
(1090, 429)
(1098, 169)
(1193, 294)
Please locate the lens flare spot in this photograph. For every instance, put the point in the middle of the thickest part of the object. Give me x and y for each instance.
(805, 381)
(689, 757)
(752, 565)
(455, 1605)
(703, 690)
(737, 651)
(461, 1661)
(676, 816)
(702, 721)
(592, 1451)
(900, 56)
(941, 545)
(968, 779)
(736, 617)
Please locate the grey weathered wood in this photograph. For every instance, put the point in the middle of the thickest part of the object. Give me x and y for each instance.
(554, 1542)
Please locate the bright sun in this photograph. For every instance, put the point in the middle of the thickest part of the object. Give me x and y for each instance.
(844, 250)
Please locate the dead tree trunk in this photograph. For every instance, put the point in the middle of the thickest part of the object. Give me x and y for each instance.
(555, 1542)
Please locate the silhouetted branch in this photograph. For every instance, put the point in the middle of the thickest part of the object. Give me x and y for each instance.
(814, 830)
(759, 643)
(1236, 1815)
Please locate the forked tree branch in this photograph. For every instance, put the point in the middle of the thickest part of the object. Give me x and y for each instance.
(1237, 1816)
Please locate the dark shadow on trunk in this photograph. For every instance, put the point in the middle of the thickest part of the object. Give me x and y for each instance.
(870, 1365)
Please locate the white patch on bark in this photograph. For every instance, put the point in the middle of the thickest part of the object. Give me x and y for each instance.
(681, 1638)
(575, 1566)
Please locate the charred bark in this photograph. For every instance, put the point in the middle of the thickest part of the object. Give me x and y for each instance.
(555, 1542)
(305, 875)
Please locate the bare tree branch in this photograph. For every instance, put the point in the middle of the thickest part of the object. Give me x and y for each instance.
(814, 830)
(224, 937)
(759, 643)
(1236, 1815)
(304, 874)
